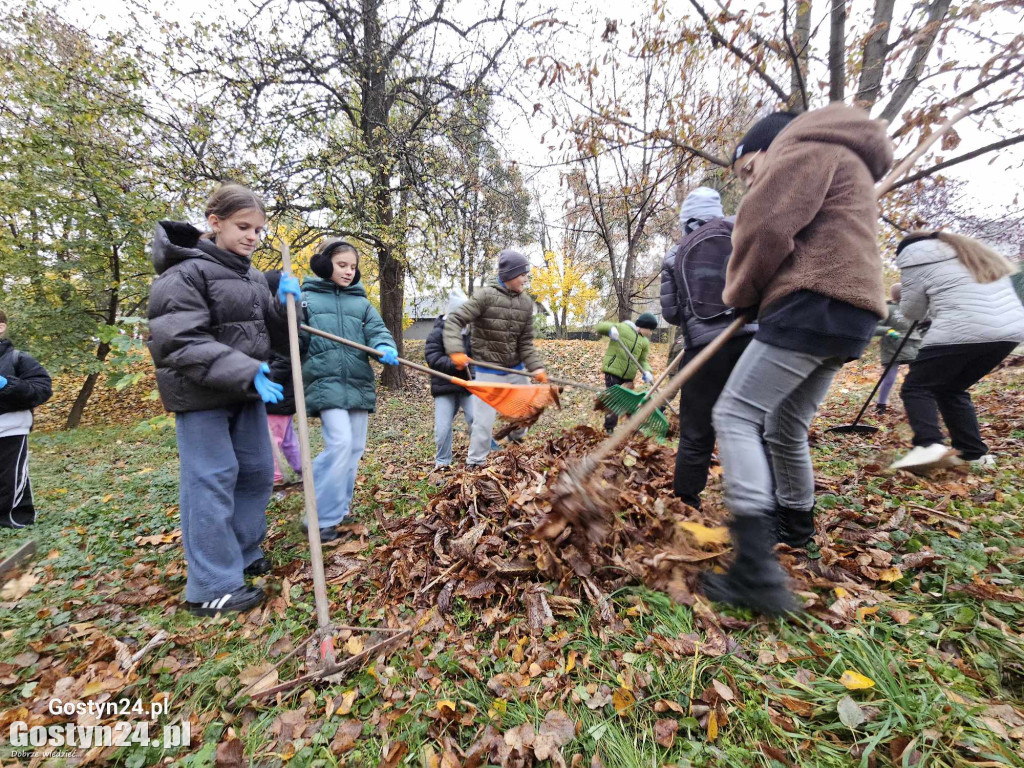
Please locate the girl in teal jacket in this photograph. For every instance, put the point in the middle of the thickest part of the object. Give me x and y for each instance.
(338, 380)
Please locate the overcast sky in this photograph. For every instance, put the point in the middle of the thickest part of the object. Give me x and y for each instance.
(992, 180)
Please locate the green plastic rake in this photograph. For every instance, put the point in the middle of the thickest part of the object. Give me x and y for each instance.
(625, 402)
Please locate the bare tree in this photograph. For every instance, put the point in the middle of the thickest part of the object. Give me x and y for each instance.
(359, 91)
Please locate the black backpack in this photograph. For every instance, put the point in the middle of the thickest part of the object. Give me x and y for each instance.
(701, 261)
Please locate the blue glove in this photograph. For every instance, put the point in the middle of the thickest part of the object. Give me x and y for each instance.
(289, 285)
(647, 378)
(389, 355)
(270, 391)
(3, 382)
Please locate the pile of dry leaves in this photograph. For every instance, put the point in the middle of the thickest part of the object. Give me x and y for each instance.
(475, 541)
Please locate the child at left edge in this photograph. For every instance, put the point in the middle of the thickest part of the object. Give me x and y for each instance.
(212, 322)
(339, 382)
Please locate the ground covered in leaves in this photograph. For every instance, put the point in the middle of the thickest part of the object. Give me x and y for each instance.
(523, 651)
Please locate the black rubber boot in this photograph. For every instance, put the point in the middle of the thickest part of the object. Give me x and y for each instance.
(755, 580)
(795, 528)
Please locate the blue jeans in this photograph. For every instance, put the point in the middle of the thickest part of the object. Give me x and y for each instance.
(446, 407)
(227, 475)
(772, 394)
(887, 383)
(334, 470)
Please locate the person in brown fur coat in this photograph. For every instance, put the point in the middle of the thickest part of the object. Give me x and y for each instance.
(805, 256)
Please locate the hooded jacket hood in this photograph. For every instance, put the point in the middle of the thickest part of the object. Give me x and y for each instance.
(849, 127)
(704, 204)
(924, 250)
(178, 241)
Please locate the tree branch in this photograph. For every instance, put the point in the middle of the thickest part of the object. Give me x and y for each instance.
(957, 160)
(740, 54)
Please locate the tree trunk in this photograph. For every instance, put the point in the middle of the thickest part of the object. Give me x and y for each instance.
(392, 304)
(78, 409)
(837, 52)
(937, 11)
(801, 48)
(875, 51)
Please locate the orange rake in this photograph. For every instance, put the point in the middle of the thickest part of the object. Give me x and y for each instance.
(513, 401)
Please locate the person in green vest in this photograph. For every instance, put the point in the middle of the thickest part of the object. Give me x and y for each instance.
(618, 367)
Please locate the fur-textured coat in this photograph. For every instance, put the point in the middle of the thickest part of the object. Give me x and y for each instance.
(810, 220)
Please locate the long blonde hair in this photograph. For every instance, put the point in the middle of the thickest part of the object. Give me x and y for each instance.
(984, 264)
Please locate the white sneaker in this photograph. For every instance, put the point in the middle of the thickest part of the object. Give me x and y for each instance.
(925, 457)
(988, 461)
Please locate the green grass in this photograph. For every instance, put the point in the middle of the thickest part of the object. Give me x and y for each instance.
(935, 676)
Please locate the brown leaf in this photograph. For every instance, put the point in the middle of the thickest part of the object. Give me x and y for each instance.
(556, 730)
(260, 676)
(395, 754)
(347, 736)
(230, 754)
(665, 732)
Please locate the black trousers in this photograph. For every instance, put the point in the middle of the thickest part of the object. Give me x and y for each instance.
(16, 510)
(696, 433)
(938, 382)
(611, 420)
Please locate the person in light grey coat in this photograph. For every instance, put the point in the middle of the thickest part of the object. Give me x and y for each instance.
(964, 288)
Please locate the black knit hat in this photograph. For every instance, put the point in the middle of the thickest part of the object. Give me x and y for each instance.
(321, 263)
(647, 320)
(762, 134)
(512, 264)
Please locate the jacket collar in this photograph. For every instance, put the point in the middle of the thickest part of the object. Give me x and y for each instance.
(319, 285)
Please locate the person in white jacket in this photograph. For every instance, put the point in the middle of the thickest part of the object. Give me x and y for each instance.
(964, 288)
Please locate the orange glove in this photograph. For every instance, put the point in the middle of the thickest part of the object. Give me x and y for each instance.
(461, 360)
(540, 376)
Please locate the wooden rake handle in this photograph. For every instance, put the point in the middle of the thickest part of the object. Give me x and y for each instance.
(623, 433)
(316, 555)
(375, 353)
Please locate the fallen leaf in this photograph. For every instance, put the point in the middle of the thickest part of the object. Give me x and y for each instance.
(850, 712)
(354, 645)
(394, 756)
(446, 707)
(665, 732)
(230, 754)
(347, 736)
(623, 700)
(855, 681)
(723, 690)
(704, 535)
(345, 701)
(15, 589)
(556, 730)
(260, 676)
(890, 574)
(712, 726)
(901, 616)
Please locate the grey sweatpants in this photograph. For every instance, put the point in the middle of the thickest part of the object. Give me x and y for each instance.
(772, 395)
(483, 418)
(227, 476)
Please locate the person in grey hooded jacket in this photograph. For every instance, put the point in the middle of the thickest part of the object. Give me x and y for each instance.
(964, 288)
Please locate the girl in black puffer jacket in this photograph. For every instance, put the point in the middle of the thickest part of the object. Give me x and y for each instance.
(212, 320)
